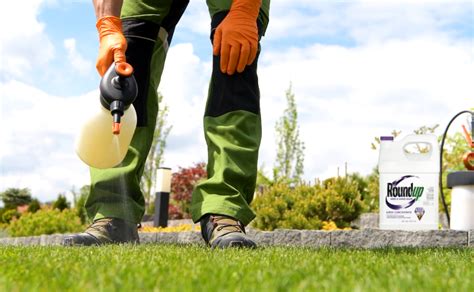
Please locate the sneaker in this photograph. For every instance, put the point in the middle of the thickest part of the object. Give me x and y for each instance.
(105, 231)
(223, 231)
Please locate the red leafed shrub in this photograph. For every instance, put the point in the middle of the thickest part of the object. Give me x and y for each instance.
(182, 185)
(174, 212)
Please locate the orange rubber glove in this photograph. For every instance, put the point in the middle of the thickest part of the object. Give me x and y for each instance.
(112, 43)
(236, 37)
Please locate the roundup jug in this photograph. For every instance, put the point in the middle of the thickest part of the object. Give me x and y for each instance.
(105, 136)
(409, 183)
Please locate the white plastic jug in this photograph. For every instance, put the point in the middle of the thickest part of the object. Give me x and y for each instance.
(462, 200)
(409, 183)
(105, 136)
(97, 146)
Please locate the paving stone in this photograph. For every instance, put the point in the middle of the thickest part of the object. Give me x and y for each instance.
(31, 240)
(5, 241)
(354, 238)
(366, 238)
(262, 238)
(367, 221)
(286, 237)
(190, 237)
(147, 237)
(54, 239)
(250, 231)
(374, 238)
(315, 238)
(441, 238)
(167, 237)
(17, 241)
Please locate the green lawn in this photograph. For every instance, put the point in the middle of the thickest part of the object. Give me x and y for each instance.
(173, 268)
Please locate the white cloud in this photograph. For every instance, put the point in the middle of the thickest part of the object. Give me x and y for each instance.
(24, 45)
(77, 61)
(184, 87)
(196, 19)
(364, 21)
(347, 96)
(37, 145)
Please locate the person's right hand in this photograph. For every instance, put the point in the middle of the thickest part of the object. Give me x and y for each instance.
(112, 43)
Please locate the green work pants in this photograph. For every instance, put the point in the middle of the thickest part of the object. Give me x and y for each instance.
(232, 125)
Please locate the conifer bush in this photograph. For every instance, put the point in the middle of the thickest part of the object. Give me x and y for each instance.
(45, 222)
(306, 206)
(9, 215)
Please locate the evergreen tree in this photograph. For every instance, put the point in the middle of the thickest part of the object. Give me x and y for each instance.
(14, 197)
(80, 201)
(34, 206)
(61, 203)
(290, 153)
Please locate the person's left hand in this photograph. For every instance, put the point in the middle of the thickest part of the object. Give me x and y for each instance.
(236, 38)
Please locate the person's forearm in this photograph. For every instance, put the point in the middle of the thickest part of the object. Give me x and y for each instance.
(107, 8)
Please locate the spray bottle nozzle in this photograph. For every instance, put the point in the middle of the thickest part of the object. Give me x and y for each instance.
(116, 124)
(116, 109)
(116, 128)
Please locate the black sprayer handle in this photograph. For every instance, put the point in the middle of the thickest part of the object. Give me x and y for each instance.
(118, 90)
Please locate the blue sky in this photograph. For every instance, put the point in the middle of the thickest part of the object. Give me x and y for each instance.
(359, 69)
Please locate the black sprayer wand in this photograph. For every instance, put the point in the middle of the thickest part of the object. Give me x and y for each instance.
(118, 90)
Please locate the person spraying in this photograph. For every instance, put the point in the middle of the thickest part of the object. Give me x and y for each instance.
(141, 37)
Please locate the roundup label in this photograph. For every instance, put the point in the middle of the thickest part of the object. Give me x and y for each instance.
(408, 198)
(408, 201)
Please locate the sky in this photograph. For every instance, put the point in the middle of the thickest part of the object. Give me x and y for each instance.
(358, 69)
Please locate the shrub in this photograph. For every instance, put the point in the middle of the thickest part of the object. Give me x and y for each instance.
(174, 212)
(34, 206)
(306, 207)
(61, 203)
(279, 206)
(2, 211)
(9, 215)
(371, 199)
(340, 200)
(182, 185)
(45, 222)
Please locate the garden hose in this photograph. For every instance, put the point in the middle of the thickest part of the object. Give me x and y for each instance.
(441, 157)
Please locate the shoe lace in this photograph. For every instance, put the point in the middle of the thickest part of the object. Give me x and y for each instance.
(236, 227)
(99, 226)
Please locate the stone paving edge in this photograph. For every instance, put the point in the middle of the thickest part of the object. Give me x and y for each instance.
(365, 238)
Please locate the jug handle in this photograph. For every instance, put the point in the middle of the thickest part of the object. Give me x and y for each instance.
(421, 139)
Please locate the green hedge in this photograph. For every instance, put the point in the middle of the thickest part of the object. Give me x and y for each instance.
(305, 206)
(45, 222)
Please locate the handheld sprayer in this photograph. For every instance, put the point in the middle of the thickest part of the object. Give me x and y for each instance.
(98, 144)
(462, 182)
